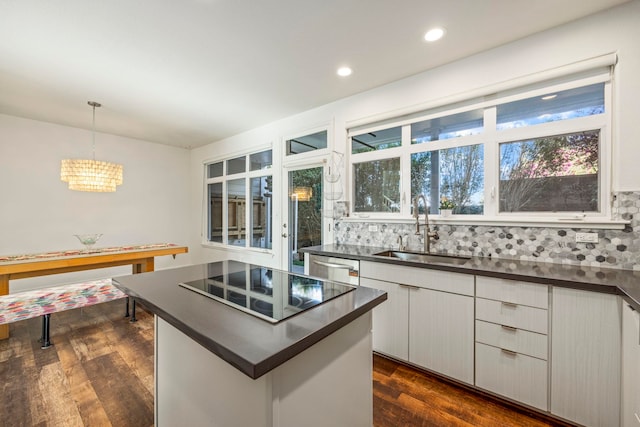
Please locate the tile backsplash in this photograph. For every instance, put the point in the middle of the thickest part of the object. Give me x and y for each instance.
(615, 248)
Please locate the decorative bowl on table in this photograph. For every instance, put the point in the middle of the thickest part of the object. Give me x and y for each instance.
(88, 240)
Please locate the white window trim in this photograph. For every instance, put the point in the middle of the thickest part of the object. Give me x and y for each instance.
(491, 138)
(247, 175)
(293, 159)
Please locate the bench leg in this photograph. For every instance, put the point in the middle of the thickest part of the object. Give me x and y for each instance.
(126, 307)
(45, 339)
(133, 311)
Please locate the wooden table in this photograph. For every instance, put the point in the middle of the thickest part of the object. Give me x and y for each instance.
(140, 257)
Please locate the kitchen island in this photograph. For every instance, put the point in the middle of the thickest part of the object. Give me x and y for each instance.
(221, 363)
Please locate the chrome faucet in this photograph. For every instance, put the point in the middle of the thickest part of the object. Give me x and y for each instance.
(428, 234)
(402, 246)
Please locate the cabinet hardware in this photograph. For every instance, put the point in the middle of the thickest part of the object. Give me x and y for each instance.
(509, 328)
(509, 352)
(332, 265)
(408, 286)
(509, 304)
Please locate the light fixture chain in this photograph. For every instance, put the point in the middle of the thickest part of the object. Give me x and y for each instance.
(94, 105)
(94, 132)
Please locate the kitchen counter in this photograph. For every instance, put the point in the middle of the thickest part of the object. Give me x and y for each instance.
(622, 282)
(252, 345)
(216, 364)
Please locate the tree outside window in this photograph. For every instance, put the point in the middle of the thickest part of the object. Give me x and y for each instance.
(557, 173)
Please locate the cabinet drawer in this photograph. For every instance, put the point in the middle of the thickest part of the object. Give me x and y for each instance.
(516, 316)
(523, 293)
(455, 283)
(518, 340)
(512, 375)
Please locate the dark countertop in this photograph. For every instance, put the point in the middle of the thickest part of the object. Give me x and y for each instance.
(622, 282)
(252, 345)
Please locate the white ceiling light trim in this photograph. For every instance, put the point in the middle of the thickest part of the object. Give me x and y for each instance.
(434, 34)
(344, 71)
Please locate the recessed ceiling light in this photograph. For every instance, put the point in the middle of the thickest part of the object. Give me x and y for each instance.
(434, 34)
(548, 97)
(344, 71)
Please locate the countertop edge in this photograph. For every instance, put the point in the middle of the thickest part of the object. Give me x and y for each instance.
(254, 370)
(300, 346)
(630, 296)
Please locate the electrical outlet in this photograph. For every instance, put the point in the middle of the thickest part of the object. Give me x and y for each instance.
(373, 228)
(586, 237)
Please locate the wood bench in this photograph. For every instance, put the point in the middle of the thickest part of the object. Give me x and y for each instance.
(43, 302)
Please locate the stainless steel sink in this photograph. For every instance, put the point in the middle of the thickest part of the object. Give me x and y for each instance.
(423, 257)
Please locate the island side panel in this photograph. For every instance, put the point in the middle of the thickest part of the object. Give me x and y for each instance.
(330, 383)
(194, 387)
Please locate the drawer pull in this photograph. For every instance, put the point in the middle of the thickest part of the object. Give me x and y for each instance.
(509, 304)
(509, 328)
(332, 265)
(402, 285)
(509, 352)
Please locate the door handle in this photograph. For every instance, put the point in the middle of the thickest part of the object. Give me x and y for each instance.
(332, 265)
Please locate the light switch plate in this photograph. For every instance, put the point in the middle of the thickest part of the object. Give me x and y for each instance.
(586, 237)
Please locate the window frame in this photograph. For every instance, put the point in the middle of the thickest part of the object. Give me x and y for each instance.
(224, 178)
(491, 138)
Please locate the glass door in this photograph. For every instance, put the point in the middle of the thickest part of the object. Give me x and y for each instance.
(302, 222)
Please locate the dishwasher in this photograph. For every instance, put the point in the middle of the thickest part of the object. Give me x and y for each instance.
(336, 269)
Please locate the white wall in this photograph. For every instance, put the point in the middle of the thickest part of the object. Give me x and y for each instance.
(616, 30)
(39, 213)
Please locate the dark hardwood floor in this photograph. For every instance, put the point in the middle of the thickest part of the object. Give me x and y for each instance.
(100, 372)
(403, 396)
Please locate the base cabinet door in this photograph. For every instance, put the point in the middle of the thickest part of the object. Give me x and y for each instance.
(585, 357)
(441, 332)
(630, 367)
(390, 319)
(517, 376)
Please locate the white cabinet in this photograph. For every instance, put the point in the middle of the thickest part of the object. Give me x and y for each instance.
(390, 319)
(511, 374)
(441, 332)
(630, 367)
(585, 357)
(427, 318)
(512, 323)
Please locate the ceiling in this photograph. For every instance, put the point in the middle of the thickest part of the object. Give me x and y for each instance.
(191, 72)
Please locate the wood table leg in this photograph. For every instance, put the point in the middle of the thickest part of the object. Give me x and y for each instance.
(144, 266)
(4, 290)
(149, 264)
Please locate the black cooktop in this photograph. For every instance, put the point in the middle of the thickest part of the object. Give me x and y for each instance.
(269, 294)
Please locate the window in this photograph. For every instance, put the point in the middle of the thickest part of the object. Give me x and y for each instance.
(454, 126)
(537, 152)
(378, 140)
(557, 173)
(454, 174)
(304, 144)
(239, 193)
(551, 107)
(377, 186)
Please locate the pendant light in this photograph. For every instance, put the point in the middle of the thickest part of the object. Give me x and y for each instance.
(91, 175)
